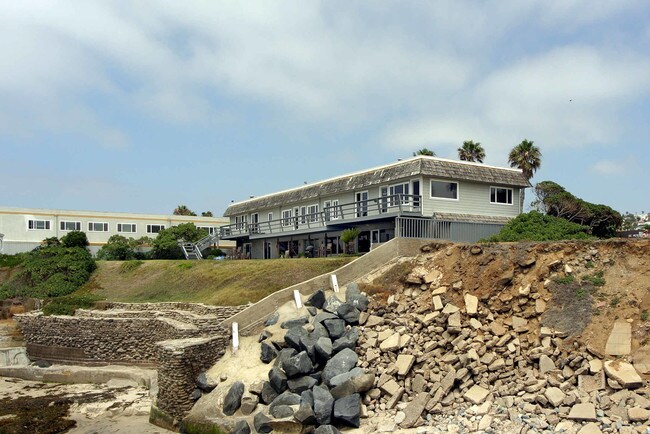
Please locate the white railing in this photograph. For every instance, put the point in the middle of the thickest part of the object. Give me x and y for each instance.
(464, 232)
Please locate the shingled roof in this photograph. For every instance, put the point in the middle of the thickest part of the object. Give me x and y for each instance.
(424, 165)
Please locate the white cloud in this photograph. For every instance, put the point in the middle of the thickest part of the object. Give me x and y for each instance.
(614, 167)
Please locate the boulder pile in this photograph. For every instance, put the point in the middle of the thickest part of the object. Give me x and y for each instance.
(313, 383)
(488, 365)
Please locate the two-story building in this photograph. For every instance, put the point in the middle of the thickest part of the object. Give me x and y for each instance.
(26, 228)
(418, 197)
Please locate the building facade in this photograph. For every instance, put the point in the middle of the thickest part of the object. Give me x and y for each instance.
(422, 196)
(26, 228)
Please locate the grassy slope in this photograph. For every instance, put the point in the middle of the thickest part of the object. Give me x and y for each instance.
(211, 282)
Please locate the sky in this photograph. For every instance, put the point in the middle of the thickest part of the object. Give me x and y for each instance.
(138, 106)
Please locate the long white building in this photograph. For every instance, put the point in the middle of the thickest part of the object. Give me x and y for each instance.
(26, 228)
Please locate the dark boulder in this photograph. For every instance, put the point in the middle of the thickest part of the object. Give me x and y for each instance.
(323, 404)
(278, 379)
(348, 410)
(294, 322)
(305, 414)
(272, 319)
(268, 352)
(232, 400)
(261, 423)
(317, 299)
(348, 340)
(281, 411)
(348, 313)
(241, 427)
(335, 328)
(332, 304)
(293, 335)
(300, 384)
(268, 393)
(297, 365)
(342, 362)
(327, 429)
(323, 349)
(323, 316)
(319, 331)
(205, 383)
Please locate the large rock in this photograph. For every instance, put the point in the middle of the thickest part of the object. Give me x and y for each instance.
(555, 396)
(356, 298)
(286, 398)
(241, 427)
(323, 348)
(268, 352)
(261, 423)
(332, 304)
(335, 327)
(476, 394)
(323, 404)
(205, 383)
(281, 411)
(342, 362)
(322, 316)
(278, 379)
(293, 335)
(268, 393)
(471, 304)
(327, 429)
(391, 343)
(546, 364)
(248, 404)
(342, 378)
(348, 340)
(232, 400)
(638, 414)
(623, 373)
(414, 409)
(348, 410)
(348, 313)
(583, 411)
(294, 322)
(272, 319)
(300, 384)
(297, 365)
(307, 344)
(305, 414)
(317, 299)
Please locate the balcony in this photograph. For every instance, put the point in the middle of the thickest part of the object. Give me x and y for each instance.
(331, 218)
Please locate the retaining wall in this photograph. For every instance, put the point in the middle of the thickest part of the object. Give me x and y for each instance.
(207, 324)
(179, 363)
(253, 316)
(221, 312)
(98, 341)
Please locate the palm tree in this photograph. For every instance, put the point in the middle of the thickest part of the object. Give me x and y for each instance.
(527, 157)
(424, 151)
(183, 210)
(471, 151)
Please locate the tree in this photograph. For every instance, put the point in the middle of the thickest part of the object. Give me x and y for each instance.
(471, 151)
(555, 201)
(207, 214)
(424, 151)
(535, 226)
(527, 157)
(348, 236)
(75, 239)
(165, 245)
(183, 210)
(118, 248)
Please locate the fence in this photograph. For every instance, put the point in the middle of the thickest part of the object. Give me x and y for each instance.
(464, 232)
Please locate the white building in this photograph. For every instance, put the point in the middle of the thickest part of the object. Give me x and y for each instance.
(26, 228)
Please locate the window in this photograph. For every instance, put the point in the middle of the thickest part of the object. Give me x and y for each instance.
(209, 229)
(126, 227)
(154, 229)
(335, 209)
(286, 217)
(444, 190)
(38, 225)
(70, 226)
(312, 210)
(501, 195)
(303, 213)
(269, 216)
(97, 227)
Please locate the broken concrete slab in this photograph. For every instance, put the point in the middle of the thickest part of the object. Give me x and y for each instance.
(624, 373)
(619, 342)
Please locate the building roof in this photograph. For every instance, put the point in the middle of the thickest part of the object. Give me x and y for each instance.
(424, 165)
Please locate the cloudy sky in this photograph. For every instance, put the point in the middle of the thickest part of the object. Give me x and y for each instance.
(142, 105)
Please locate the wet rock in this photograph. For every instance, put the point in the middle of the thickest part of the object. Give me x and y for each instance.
(232, 400)
(348, 409)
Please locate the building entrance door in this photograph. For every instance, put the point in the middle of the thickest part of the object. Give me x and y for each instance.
(363, 242)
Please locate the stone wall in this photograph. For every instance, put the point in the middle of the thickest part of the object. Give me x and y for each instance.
(221, 312)
(179, 363)
(99, 340)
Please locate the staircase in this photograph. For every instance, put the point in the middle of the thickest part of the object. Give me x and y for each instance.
(193, 250)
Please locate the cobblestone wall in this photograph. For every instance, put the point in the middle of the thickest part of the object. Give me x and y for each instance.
(221, 312)
(207, 324)
(179, 363)
(99, 340)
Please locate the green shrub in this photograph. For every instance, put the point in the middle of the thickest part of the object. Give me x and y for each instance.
(534, 226)
(68, 304)
(212, 252)
(128, 266)
(165, 245)
(595, 279)
(50, 271)
(565, 280)
(75, 239)
(11, 260)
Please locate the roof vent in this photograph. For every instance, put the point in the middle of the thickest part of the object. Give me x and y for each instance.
(399, 159)
(251, 197)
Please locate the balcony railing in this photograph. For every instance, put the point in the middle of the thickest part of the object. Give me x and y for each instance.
(347, 212)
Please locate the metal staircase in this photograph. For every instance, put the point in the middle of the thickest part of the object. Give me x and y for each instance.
(193, 250)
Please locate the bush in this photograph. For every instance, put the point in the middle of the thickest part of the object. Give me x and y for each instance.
(50, 271)
(348, 236)
(535, 226)
(165, 245)
(75, 239)
(12, 260)
(68, 304)
(213, 252)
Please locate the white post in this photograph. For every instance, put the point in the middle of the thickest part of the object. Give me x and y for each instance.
(296, 297)
(235, 337)
(335, 283)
